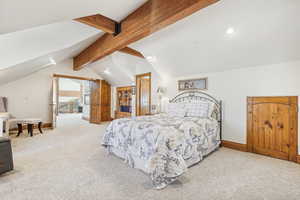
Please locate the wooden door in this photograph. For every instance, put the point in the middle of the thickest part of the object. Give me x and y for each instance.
(105, 101)
(54, 101)
(272, 126)
(143, 94)
(95, 106)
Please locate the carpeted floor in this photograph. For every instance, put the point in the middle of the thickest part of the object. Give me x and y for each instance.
(69, 164)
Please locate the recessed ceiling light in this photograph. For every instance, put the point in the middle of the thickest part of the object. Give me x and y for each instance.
(151, 59)
(106, 71)
(52, 61)
(230, 31)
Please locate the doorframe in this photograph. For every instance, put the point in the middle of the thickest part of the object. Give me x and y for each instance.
(293, 136)
(73, 77)
(58, 76)
(136, 93)
(54, 101)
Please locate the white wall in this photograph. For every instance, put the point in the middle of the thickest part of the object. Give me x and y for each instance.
(233, 87)
(30, 96)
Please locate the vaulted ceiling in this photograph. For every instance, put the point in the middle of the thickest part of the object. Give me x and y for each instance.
(229, 34)
(18, 15)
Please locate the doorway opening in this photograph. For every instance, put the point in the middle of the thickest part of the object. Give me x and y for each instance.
(73, 99)
(77, 99)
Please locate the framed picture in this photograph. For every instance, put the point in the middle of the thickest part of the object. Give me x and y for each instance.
(192, 84)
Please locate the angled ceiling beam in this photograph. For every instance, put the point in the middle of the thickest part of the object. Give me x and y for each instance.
(109, 26)
(100, 22)
(147, 19)
(132, 52)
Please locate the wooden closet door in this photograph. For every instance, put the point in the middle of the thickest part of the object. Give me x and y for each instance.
(143, 94)
(105, 101)
(272, 126)
(145, 97)
(95, 106)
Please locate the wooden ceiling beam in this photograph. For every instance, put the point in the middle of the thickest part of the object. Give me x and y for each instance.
(132, 52)
(147, 19)
(109, 26)
(100, 22)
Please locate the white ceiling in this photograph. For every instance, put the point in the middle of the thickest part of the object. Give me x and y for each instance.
(22, 46)
(26, 68)
(18, 15)
(25, 52)
(120, 69)
(265, 32)
(33, 32)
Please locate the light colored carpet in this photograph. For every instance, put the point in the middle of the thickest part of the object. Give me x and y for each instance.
(69, 164)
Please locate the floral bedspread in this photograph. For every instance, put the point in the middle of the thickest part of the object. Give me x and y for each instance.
(167, 145)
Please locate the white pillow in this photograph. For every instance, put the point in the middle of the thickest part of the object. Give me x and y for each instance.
(212, 109)
(176, 110)
(200, 109)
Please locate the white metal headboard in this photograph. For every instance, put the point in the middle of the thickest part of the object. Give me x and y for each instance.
(195, 96)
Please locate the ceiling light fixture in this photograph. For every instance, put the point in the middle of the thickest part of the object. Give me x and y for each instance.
(52, 61)
(230, 31)
(106, 71)
(151, 59)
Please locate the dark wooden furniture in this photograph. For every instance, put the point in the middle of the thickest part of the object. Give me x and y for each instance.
(30, 123)
(124, 102)
(100, 110)
(272, 126)
(29, 128)
(6, 159)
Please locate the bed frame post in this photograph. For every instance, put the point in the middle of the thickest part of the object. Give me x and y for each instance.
(220, 120)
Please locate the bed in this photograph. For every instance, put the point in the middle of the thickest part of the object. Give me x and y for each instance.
(165, 145)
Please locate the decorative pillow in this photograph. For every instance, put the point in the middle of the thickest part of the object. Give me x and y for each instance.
(200, 109)
(212, 109)
(176, 110)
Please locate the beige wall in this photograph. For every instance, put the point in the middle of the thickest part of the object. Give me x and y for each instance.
(30, 96)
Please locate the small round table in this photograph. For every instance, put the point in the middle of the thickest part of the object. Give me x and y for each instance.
(30, 123)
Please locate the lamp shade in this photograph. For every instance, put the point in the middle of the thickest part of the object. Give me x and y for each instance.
(160, 90)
